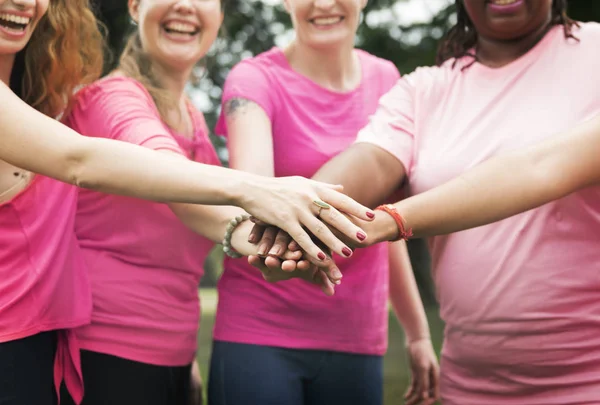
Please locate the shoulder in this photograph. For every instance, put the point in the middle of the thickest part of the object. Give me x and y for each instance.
(586, 34)
(264, 65)
(379, 71)
(111, 88)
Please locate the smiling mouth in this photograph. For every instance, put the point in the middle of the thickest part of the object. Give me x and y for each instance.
(181, 28)
(325, 21)
(13, 22)
(502, 2)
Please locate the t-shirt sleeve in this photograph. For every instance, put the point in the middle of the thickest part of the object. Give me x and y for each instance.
(249, 81)
(392, 126)
(121, 109)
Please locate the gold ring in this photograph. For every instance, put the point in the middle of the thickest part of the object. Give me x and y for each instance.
(322, 206)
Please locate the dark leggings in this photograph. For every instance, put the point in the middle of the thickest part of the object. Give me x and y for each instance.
(242, 374)
(111, 380)
(27, 370)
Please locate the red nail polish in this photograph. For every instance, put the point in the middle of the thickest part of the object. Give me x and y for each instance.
(361, 236)
(370, 215)
(321, 256)
(347, 252)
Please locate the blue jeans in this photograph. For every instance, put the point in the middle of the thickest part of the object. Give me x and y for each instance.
(243, 374)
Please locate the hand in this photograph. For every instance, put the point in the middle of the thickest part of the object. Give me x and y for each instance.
(196, 386)
(424, 387)
(278, 244)
(274, 270)
(288, 203)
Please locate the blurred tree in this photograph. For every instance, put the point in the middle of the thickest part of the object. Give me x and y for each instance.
(252, 27)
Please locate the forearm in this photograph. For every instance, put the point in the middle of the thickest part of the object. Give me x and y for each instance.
(43, 145)
(368, 173)
(502, 186)
(404, 294)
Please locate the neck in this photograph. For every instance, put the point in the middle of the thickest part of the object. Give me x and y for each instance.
(6, 66)
(498, 53)
(335, 69)
(173, 81)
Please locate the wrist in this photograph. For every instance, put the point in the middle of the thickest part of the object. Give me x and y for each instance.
(230, 230)
(239, 239)
(417, 339)
(382, 229)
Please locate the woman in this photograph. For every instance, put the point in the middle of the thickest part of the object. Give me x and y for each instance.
(286, 112)
(44, 288)
(146, 259)
(518, 296)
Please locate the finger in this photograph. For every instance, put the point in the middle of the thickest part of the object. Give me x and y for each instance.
(268, 238)
(293, 246)
(259, 222)
(340, 222)
(303, 265)
(311, 250)
(289, 265)
(326, 285)
(410, 398)
(346, 204)
(255, 261)
(324, 234)
(422, 388)
(434, 386)
(282, 241)
(256, 233)
(274, 263)
(292, 255)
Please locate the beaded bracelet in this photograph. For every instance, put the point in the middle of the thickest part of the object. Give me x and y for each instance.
(227, 248)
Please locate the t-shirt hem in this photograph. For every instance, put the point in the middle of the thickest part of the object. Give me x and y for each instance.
(288, 342)
(39, 328)
(167, 358)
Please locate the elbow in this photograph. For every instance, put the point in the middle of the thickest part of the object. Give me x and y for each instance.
(77, 169)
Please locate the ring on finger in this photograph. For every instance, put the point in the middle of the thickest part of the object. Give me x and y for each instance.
(322, 206)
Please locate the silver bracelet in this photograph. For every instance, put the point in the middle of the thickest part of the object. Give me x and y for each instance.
(227, 248)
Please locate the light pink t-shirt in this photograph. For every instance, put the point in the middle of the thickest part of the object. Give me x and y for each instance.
(44, 285)
(521, 297)
(145, 264)
(310, 126)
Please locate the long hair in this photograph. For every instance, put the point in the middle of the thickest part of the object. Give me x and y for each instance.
(65, 51)
(461, 38)
(135, 63)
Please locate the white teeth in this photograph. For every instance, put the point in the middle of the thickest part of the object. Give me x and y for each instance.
(15, 18)
(327, 20)
(503, 2)
(181, 27)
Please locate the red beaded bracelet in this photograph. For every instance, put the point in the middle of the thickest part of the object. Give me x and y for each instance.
(403, 233)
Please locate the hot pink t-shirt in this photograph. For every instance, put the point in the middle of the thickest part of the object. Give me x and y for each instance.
(520, 297)
(310, 126)
(43, 282)
(145, 265)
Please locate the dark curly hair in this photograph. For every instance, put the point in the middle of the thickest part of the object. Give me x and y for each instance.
(461, 38)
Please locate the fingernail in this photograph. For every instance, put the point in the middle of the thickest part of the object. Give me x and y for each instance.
(275, 251)
(361, 236)
(347, 252)
(321, 256)
(337, 274)
(370, 214)
(252, 239)
(262, 250)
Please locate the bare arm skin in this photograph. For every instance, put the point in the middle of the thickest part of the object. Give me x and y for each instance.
(521, 181)
(368, 173)
(40, 144)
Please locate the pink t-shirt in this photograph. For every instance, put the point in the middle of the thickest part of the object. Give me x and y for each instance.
(520, 297)
(44, 285)
(145, 265)
(310, 126)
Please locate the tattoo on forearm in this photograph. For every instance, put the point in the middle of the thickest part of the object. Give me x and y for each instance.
(236, 105)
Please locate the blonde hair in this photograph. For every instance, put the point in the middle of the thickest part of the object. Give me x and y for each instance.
(64, 52)
(137, 64)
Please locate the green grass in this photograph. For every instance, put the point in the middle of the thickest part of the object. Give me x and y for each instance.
(396, 371)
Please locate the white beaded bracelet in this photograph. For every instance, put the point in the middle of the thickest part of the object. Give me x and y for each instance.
(227, 248)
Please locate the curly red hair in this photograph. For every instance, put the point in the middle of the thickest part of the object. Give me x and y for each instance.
(64, 53)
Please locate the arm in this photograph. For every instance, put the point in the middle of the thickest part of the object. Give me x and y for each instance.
(368, 173)
(408, 307)
(40, 144)
(547, 171)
